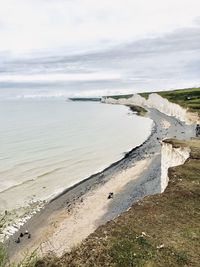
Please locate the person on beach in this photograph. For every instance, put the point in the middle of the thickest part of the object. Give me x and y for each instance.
(110, 195)
(17, 241)
(197, 130)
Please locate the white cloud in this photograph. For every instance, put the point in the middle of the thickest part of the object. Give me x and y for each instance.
(91, 46)
(30, 25)
(60, 77)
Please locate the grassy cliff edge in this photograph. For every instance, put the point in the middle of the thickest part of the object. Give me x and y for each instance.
(186, 98)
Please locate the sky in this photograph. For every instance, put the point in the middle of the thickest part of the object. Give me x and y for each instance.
(97, 47)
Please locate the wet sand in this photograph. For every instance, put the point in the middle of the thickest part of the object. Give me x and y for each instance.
(71, 217)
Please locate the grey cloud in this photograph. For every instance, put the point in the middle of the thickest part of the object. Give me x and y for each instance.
(153, 62)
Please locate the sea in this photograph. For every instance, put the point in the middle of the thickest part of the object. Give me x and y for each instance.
(48, 145)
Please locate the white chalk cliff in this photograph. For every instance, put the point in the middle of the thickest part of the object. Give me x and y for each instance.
(159, 103)
(171, 157)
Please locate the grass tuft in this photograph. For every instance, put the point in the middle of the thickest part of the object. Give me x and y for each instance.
(139, 110)
(3, 255)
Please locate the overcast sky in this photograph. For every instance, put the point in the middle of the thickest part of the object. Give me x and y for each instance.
(93, 47)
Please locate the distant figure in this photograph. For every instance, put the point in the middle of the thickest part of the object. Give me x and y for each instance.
(29, 236)
(197, 130)
(17, 241)
(21, 235)
(110, 195)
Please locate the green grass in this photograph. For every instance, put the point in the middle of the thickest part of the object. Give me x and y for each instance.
(187, 98)
(3, 255)
(29, 260)
(159, 231)
(139, 110)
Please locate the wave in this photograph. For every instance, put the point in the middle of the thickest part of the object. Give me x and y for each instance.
(32, 162)
(16, 185)
(49, 172)
(31, 180)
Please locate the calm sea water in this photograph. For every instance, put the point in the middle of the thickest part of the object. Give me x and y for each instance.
(49, 145)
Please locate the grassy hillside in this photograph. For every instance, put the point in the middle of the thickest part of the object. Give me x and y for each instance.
(160, 230)
(187, 98)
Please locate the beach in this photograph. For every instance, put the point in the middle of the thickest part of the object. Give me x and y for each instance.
(42, 155)
(71, 217)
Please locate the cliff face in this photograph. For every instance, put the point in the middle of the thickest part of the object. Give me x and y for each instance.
(159, 103)
(166, 107)
(171, 157)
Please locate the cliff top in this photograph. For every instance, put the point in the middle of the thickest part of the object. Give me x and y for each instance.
(187, 98)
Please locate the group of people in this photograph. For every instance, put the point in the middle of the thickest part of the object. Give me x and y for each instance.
(26, 233)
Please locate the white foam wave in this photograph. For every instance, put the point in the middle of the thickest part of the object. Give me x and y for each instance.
(14, 220)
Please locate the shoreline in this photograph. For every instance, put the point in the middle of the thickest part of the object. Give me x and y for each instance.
(126, 155)
(72, 197)
(41, 204)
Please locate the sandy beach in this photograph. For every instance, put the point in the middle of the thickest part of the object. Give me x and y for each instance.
(70, 218)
